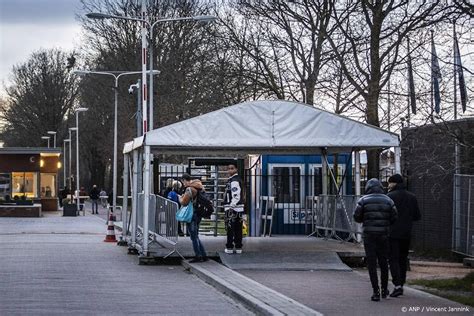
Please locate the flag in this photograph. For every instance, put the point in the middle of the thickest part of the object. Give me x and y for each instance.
(458, 67)
(435, 76)
(411, 83)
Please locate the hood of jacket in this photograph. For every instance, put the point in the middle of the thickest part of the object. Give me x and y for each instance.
(373, 186)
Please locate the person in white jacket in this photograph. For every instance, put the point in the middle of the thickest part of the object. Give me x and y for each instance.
(234, 210)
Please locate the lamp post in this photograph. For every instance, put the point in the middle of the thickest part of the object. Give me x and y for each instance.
(145, 22)
(54, 137)
(46, 137)
(64, 158)
(71, 129)
(77, 157)
(116, 76)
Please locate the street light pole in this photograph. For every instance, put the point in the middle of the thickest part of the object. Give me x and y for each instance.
(116, 77)
(46, 137)
(54, 137)
(64, 159)
(77, 159)
(71, 129)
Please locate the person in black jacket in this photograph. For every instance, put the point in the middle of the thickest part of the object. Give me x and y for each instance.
(94, 196)
(377, 212)
(400, 235)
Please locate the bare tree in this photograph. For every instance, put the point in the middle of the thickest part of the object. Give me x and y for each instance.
(40, 99)
(376, 30)
(284, 42)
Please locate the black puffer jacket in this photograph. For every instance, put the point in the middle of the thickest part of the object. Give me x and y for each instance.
(375, 210)
(408, 212)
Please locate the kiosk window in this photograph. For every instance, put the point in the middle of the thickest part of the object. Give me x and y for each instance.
(5, 184)
(25, 183)
(48, 185)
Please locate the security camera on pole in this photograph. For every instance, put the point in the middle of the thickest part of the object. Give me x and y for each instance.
(116, 75)
(145, 22)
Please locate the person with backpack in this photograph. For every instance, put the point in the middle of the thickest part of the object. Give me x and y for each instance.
(192, 188)
(173, 195)
(234, 210)
(377, 212)
(400, 234)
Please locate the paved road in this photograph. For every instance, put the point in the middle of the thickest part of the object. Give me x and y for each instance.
(348, 293)
(60, 265)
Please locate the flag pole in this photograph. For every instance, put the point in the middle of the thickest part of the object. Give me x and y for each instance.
(456, 143)
(455, 71)
(388, 107)
(408, 81)
(431, 85)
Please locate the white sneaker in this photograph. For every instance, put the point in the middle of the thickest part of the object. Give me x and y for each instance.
(238, 251)
(229, 251)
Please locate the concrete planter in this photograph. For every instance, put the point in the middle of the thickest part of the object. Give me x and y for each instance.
(70, 210)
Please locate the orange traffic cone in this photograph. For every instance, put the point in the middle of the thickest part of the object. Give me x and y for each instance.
(110, 237)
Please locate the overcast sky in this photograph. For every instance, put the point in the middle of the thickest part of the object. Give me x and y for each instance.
(28, 25)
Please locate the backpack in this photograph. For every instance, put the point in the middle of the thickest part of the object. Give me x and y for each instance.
(202, 205)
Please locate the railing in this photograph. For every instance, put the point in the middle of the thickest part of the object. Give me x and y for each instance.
(332, 217)
(166, 225)
(162, 223)
(463, 215)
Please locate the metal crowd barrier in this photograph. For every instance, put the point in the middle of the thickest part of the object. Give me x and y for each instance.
(166, 225)
(332, 217)
(162, 223)
(463, 215)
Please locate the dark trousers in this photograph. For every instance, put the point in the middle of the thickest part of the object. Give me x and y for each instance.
(95, 206)
(399, 260)
(234, 229)
(376, 250)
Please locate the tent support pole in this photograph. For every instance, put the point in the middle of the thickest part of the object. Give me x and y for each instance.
(146, 202)
(398, 168)
(123, 239)
(357, 172)
(324, 171)
(134, 196)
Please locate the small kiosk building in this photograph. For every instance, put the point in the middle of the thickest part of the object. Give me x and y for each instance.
(30, 173)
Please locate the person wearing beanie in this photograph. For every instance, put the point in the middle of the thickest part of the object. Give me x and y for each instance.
(376, 211)
(400, 235)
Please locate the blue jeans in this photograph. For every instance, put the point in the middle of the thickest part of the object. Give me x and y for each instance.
(193, 231)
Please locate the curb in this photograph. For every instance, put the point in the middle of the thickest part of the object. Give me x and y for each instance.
(437, 264)
(247, 299)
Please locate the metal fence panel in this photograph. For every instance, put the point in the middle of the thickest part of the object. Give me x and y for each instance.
(463, 217)
(333, 217)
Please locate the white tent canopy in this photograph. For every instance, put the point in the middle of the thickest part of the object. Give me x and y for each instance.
(266, 127)
(257, 127)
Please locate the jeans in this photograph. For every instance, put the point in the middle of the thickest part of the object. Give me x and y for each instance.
(95, 205)
(234, 229)
(193, 231)
(398, 260)
(376, 249)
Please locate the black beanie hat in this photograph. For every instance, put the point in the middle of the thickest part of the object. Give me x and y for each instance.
(396, 178)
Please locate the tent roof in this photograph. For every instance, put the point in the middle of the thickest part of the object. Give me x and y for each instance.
(265, 127)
